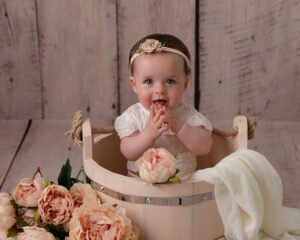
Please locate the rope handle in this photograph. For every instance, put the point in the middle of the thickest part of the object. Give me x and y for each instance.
(251, 124)
(75, 133)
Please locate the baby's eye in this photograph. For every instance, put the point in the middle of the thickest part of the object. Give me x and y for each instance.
(148, 81)
(171, 81)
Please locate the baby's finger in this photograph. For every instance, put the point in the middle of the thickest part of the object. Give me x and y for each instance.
(163, 129)
(157, 115)
(161, 120)
(151, 111)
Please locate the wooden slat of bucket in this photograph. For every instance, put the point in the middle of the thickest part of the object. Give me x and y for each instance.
(250, 58)
(193, 222)
(79, 57)
(146, 17)
(20, 83)
(12, 132)
(45, 146)
(279, 141)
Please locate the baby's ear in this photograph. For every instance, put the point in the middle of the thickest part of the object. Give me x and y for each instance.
(132, 83)
(186, 81)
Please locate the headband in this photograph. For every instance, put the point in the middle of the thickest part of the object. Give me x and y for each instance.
(154, 46)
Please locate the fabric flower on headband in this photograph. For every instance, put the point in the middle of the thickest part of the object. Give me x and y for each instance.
(150, 45)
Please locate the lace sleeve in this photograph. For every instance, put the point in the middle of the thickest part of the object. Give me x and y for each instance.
(125, 125)
(198, 119)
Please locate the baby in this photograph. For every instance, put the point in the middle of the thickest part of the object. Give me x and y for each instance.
(160, 73)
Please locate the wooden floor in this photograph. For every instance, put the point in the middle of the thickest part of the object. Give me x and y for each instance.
(25, 145)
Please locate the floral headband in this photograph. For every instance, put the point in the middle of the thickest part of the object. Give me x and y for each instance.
(153, 46)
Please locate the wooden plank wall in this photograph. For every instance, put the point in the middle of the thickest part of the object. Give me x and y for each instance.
(250, 58)
(249, 65)
(59, 56)
(20, 82)
(78, 58)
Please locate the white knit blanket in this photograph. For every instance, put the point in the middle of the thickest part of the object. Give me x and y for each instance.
(248, 193)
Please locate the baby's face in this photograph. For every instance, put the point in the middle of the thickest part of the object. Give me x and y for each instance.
(159, 79)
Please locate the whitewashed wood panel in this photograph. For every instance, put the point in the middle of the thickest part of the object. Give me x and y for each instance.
(250, 58)
(279, 141)
(20, 87)
(12, 132)
(138, 18)
(78, 57)
(46, 146)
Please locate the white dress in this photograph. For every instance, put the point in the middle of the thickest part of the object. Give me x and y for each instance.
(135, 119)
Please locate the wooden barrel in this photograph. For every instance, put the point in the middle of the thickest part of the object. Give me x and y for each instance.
(162, 211)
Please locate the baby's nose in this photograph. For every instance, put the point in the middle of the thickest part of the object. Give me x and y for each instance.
(159, 88)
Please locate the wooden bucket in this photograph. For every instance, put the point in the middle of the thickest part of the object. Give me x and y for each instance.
(163, 211)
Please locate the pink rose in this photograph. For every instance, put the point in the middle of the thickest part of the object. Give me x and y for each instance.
(83, 194)
(156, 165)
(35, 233)
(104, 222)
(55, 205)
(7, 214)
(28, 191)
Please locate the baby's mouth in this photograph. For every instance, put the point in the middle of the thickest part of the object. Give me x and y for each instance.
(160, 102)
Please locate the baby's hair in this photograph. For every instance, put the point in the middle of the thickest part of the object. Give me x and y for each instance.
(167, 40)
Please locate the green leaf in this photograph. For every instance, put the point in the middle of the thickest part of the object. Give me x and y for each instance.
(36, 214)
(21, 222)
(47, 182)
(88, 180)
(75, 180)
(14, 204)
(13, 231)
(64, 177)
(58, 231)
(135, 173)
(174, 179)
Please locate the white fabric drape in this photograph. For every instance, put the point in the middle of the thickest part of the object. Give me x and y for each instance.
(248, 193)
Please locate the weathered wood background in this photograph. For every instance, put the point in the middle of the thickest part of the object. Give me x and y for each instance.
(59, 56)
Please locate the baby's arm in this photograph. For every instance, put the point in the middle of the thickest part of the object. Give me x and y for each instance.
(196, 138)
(134, 146)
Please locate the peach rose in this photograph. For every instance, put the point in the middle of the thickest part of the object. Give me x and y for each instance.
(104, 222)
(83, 194)
(28, 191)
(55, 205)
(4, 237)
(156, 165)
(35, 233)
(7, 214)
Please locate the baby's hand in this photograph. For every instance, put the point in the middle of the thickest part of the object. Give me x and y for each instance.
(174, 122)
(155, 126)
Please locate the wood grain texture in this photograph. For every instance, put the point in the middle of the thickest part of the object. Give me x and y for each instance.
(137, 19)
(250, 58)
(279, 141)
(45, 146)
(79, 57)
(20, 88)
(12, 132)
